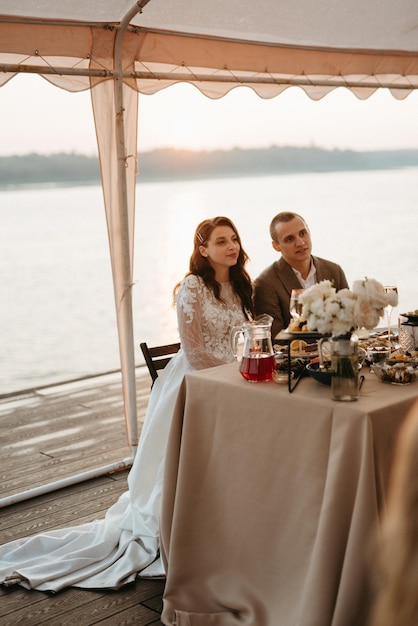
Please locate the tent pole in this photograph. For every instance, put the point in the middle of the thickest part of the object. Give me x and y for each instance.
(124, 306)
(65, 482)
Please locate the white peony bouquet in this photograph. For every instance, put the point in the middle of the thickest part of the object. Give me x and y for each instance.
(329, 311)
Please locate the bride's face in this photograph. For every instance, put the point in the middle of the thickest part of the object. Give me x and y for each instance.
(222, 248)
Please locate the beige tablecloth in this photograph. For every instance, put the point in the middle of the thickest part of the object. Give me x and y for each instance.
(270, 499)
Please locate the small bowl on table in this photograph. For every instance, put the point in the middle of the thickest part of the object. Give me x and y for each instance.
(377, 354)
(281, 377)
(297, 366)
(321, 374)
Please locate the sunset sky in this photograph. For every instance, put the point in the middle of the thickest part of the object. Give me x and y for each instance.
(38, 117)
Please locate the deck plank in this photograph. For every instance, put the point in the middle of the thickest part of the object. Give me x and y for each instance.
(79, 508)
(49, 470)
(48, 436)
(65, 430)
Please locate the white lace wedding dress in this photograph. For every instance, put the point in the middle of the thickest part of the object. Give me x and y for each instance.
(111, 552)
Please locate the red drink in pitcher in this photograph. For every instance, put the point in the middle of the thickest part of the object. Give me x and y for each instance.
(258, 367)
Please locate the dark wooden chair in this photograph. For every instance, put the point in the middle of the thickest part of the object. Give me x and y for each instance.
(157, 357)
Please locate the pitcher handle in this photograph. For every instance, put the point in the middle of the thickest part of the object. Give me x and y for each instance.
(235, 331)
(320, 352)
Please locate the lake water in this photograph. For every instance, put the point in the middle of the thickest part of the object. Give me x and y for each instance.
(57, 317)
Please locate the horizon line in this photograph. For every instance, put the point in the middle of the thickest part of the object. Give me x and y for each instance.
(211, 150)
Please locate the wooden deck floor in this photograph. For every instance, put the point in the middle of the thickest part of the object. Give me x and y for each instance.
(52, 434)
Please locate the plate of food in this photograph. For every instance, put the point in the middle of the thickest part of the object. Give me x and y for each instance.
(302, 333)
(297, 364)
(396, 374)
(411, 358)
(373, 342)
(412, 316)
(299, 348)
(297, 326)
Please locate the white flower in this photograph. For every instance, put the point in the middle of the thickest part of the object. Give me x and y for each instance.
(330, 312)
(371, 290)
(365, 315)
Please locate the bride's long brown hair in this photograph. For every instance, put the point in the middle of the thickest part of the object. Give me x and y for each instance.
(200, 266)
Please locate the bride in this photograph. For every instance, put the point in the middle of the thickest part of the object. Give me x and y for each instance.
(214, 296)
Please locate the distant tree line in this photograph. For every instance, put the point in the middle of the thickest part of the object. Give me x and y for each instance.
(173, 164)
(55, 168)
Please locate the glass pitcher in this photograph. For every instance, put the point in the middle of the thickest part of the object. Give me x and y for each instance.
(258, 362)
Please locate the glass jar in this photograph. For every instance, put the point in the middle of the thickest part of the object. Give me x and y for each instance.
(345, 369)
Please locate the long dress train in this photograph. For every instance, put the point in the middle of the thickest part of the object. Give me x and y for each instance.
(113, 551)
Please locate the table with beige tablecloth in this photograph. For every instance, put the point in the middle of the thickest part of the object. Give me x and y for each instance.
(270, 499)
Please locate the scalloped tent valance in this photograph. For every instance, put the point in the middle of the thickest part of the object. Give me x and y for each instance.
(363, 45)
(119, 48)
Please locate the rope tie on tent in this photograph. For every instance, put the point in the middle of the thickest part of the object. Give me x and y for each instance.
(279, 82)
(369, 77)
(37, 54)
(308, 80)
(125, 291)
(23, 61)
(131, 156)
(346, 83)
(99, 64)
(189, 70)
(379, 84)
(231, 73)
(53, 69)
(150, 71)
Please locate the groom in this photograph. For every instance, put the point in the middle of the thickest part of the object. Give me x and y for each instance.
(296, 269)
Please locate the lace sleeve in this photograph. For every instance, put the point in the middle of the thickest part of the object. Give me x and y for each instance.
(191, 302)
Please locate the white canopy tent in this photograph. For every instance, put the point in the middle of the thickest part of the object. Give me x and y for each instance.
(118, 48)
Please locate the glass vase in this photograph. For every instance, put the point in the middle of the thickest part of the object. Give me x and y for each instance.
(344, 362)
